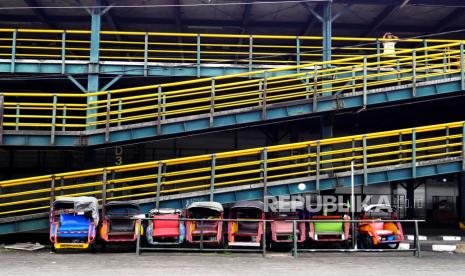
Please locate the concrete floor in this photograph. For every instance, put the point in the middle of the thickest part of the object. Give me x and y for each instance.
(44, 263)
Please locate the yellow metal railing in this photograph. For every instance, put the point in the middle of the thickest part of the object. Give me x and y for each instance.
(192, 48)
(160, 102)
(243, 167)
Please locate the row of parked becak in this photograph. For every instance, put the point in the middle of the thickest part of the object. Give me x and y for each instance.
(75, 223)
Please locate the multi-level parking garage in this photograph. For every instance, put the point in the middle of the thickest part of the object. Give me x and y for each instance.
(188, 100)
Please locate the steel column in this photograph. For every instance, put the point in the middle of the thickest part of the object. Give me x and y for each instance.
(307, 85)
(264, 94)
(365, 160)
(294, 238)
(107, 118)
(327, 29)
(104, 189)
(414, 72)
(93, 76)
(159, 182)
(417, 240)
(297, 57)
(212, 177)
(52, 190)
(326, 123)
(54, 120)
(212, 102)
(159, 109)
(13, 51)
(63, 120)
(425, 45)
(18, 112)
(315, 89)
(139, 223)
(317, 176)
(146, 53)
(365, 85)
(264, 174)
(250, 54)
(63, 52)
(120, 110)
(462, 66)
(378, 58)
(2, 100)
(198, 56)
(463, 147)
(414, 153)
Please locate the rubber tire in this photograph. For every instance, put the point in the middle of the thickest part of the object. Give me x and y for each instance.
(365, 241)
(391, 245)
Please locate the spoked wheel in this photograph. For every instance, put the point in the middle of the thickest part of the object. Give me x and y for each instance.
(365, 241)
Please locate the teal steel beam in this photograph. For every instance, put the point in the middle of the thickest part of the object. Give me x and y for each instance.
(93, 73)
(327, 30)
(313, 18)
(110, 83)
(77, 83)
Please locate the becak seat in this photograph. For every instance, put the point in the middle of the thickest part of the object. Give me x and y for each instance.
(166, 228)
(209, 228)
(284, 227)
(73, 226)
(247, 228)
(122, 225)
(379, 229)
